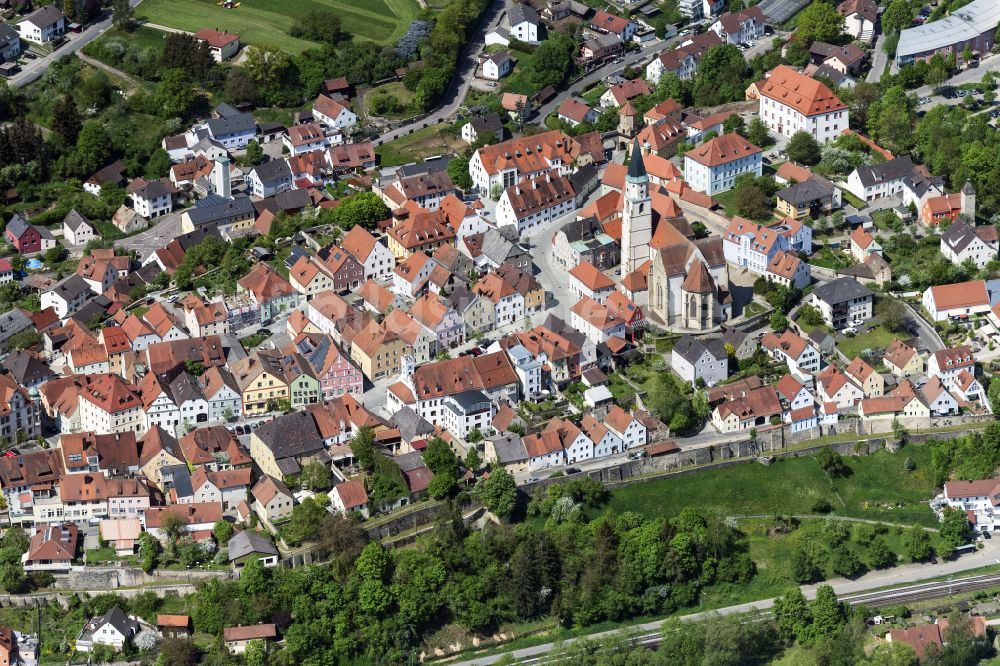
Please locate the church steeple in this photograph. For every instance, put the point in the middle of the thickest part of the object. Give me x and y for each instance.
(636, 168)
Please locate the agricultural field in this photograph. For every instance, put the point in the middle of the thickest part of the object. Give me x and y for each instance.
(268, 21)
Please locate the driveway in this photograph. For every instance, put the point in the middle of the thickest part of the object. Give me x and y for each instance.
(35, 68)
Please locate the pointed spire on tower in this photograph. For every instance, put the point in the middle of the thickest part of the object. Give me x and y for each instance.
(636, 168)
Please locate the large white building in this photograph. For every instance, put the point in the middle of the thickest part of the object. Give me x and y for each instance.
(713, 166)
(843, 302)
(790, 102)
(749, 245)
(532, 202)
(497, 167)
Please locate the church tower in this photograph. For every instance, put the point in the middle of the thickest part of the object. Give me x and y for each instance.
(637, 214)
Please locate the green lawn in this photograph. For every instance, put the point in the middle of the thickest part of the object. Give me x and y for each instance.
(423, 143)
(520, 80)
(394, 89)
(827, 258)
(593, 96)
(877, 484)
(853, 200)
(267, 21)
(877, 338)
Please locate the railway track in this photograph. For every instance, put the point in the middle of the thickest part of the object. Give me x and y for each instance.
(877, 599)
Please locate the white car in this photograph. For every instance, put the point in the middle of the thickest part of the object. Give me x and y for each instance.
(850, 330)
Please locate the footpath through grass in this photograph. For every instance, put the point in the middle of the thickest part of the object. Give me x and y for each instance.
(879, 488)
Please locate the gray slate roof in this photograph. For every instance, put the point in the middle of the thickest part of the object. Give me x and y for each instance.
(117, 618)
(488, 123)
(841, 290)
(410, 424)
(235, 124)
(246, 542)
(805, 192)
(45, 16)
(291, 435)
(73, 220)
(202, 215)
(519, 13)
(691, 349)
(12, 323)
(895, 169)
(272, 171)
(71, 287)
(17, 226)
(509, 448)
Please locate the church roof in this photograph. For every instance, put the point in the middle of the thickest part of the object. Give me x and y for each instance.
(698, 280)
(636, 168)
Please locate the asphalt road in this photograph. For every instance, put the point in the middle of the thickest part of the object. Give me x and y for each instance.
(600, 73)
(459, 85)
(908, 573)
(879, 61)
(35, 68)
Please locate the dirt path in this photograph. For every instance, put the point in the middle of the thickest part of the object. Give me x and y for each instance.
(108, 68)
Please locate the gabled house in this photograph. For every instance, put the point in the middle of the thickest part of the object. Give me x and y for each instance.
(902, 359)
(961, 242)
(750, 409)
(373, 255)
(956, 301)
(949, 363)
(693, 359)
(836, 387)
(872, 383)
(798, 353)
(45, 24)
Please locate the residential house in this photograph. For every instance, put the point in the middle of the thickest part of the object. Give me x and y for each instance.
(377, 351)
(799, 354)
(532, 202)
(411, 275)
(523, 21)
(374, 256)
(333, 114)
(261, 382)
(113, 629)
(222, 45)
(151, 198)
(863, 244)
(270, 292)
(52, 548)
(902, 359)
(27, 238)
(507, 303)
(692, 359)
(809, 199)
(272, 500)
(586, 280)
(843, 302)
(108, 405)
(497, 65)
(749, 409)
(596, 321)
(860, 17)
(77, 230)
(833, 385)
(247, 546)
(872, 383)
(10, 49)
(222, 393)
(788, 270)
(622, 28)
(350, 497)
(961, 242)
(299, 139)
(286, 444)
(949, 363)
(575, 112)
(501, 165)
(269, 178)
(956, 301)
(483, 126)
(237, 639)
(884, 179)
(619, 94)
(740, 27)
(232, 131)
(45, 24)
